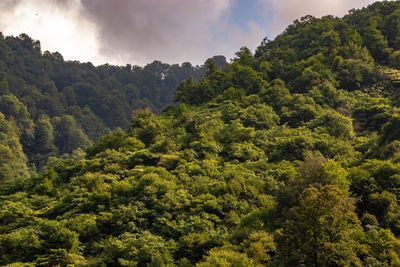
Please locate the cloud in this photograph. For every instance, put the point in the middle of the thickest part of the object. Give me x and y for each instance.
(168, 30)
(141, 31)
(57, 24)
(285, 12)
(130, 31)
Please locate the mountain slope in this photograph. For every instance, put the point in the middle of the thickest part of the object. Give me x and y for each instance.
(90, 100)
(289, 157)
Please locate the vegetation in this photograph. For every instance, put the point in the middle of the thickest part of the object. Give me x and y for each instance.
(42, 90)
(288, 157)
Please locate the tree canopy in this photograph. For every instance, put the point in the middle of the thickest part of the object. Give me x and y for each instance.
(286, 157)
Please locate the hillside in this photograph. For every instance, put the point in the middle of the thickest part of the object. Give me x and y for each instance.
(77, 102)
(286, 157)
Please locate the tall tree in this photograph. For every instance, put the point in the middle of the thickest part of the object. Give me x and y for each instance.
(13, 160)
(323, 230)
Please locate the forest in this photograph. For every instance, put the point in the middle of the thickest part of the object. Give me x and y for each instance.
(285, 156)
(59, 106)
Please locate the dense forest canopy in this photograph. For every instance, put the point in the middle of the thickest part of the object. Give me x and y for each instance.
(77, 102)
(286, 157)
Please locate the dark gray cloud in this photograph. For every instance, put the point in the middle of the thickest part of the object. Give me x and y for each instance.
(168, 30)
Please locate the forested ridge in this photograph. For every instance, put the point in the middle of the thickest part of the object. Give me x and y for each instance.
(288, 156)
(59, 106)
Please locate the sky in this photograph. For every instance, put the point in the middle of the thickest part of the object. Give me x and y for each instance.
(137, 32)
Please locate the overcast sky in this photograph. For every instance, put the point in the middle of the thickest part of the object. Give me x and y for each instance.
(141, 31)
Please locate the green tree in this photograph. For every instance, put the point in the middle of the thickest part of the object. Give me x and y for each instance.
(68, 135)
(224, 257)
(143, 249)
(323, 230)
(43, 145)
(16, 111)
(13, 160)
(334, 124)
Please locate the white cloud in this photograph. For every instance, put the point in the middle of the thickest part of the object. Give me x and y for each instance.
(59, 27)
